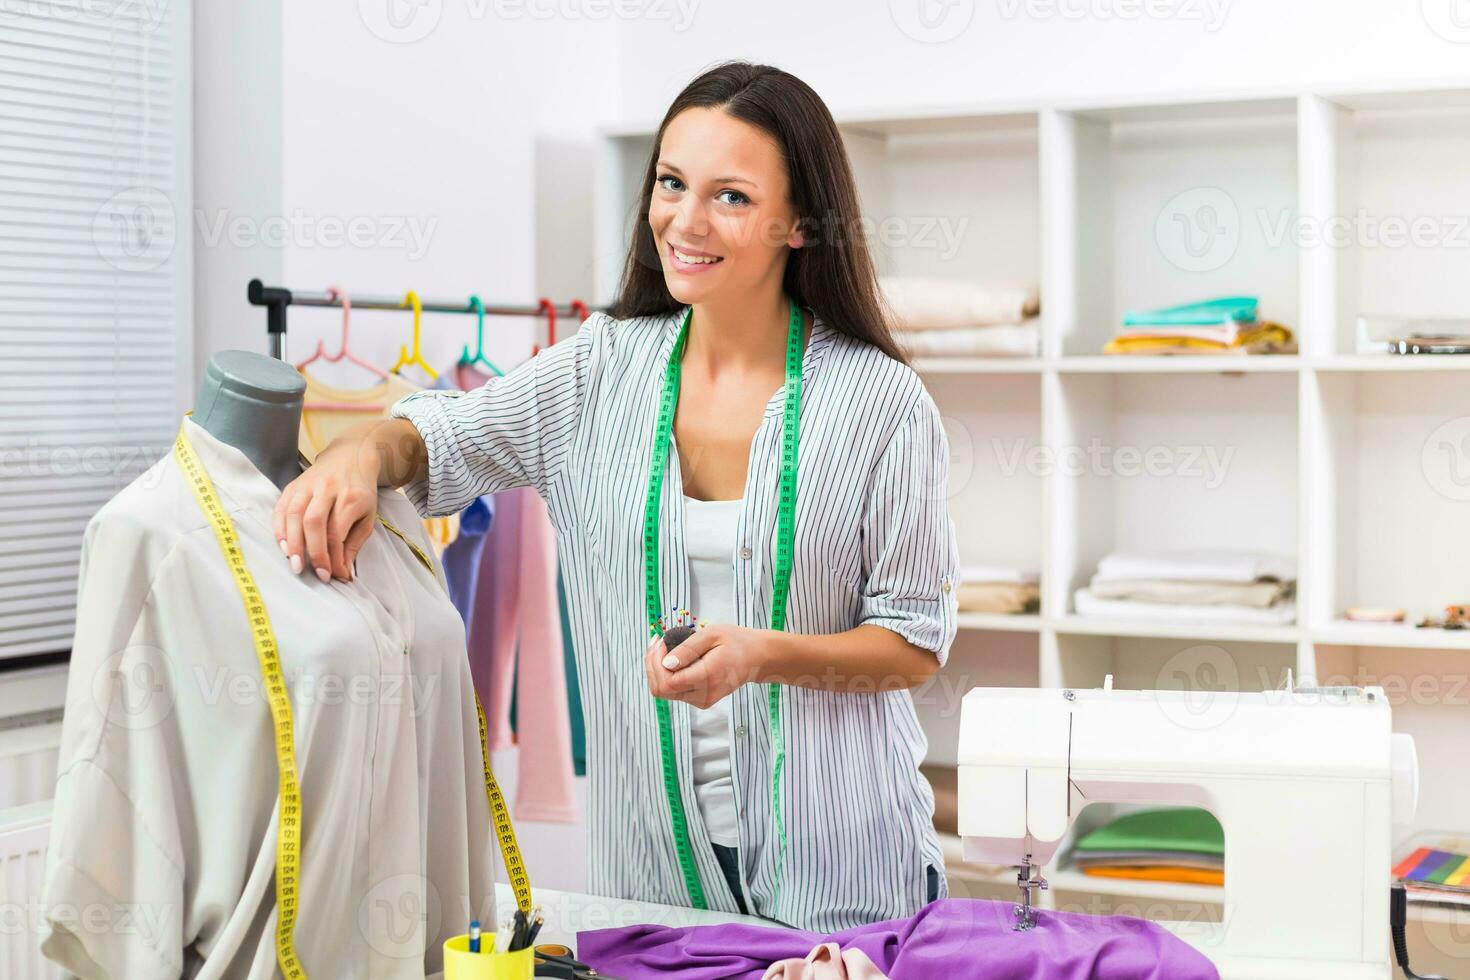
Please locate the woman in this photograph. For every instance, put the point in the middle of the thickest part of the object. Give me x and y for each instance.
(774, 768)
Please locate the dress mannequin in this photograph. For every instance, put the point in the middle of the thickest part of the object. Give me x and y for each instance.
(253, 402)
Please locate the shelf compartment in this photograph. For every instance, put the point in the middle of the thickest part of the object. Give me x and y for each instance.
(1152, 461)
(1394, 510)
(1392, 226)
(1170, 204)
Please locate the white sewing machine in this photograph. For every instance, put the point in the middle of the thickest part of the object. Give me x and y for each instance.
(1306, 783)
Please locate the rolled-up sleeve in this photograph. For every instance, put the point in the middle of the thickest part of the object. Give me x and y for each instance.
(910, 552)
(512, 431)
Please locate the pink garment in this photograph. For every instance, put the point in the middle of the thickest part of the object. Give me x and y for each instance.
(516, 626)
(827, 962)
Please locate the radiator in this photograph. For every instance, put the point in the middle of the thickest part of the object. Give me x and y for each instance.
(27, 776)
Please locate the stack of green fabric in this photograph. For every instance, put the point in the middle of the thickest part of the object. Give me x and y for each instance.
(1184, 844)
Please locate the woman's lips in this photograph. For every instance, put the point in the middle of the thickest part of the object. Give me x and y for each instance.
(690, 268)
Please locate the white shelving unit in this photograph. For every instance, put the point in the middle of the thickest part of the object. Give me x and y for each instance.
(1356, 464)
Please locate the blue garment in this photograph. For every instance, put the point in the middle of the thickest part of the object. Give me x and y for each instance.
(461, 559)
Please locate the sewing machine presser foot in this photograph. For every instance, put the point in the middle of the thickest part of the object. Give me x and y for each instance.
(1029, 879)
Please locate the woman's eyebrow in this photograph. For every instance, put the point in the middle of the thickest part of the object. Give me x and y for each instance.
(718, 180)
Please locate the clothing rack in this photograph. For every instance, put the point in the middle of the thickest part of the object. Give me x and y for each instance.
(275, 299)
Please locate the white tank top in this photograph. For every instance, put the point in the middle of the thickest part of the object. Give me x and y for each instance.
(709, 537)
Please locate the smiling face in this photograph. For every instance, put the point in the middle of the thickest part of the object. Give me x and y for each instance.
(720, 209)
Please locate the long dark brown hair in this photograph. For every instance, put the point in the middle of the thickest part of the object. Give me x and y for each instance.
(832, 273)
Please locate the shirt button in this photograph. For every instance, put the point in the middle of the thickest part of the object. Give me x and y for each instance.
(946, 585)
(740, 731)
(745, 553)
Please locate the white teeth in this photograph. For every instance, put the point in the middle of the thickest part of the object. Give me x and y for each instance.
(694, 259)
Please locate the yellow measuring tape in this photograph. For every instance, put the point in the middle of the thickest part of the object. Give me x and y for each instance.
(288, 831)
(505, 833)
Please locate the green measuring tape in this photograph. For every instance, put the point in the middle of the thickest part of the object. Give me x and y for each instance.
(785, 536)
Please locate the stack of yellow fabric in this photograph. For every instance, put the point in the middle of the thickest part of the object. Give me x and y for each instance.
(1230, 325)
(1264, 337)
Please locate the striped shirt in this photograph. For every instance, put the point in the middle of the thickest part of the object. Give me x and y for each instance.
(874, 544)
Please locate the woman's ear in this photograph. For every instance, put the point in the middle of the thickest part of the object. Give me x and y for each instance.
(797, 238)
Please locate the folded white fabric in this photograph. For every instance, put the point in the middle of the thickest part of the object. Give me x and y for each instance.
(1202, 564)
(1005, 340)
(1283, 613)
(1009, 574)
(924, 303)
(1266, 592)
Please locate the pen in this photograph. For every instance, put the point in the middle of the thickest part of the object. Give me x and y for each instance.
(535, 928)
(474, 935)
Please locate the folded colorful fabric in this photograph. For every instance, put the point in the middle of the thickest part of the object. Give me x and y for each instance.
(1190, 876)
(1196, 564)
(958, 939)
(1007, 340)
(927, 303)
(1256, 338)
(1143, 857)
(1189, 829)
(1224, 309)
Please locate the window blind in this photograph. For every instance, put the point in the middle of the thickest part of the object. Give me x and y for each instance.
(94, 282)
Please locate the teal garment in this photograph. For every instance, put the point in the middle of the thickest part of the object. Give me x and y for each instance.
(574, 692)
(1210, 312)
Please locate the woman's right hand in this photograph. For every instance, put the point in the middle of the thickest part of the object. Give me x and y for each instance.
(326, 513)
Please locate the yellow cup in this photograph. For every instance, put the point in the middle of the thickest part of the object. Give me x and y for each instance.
(461, 964)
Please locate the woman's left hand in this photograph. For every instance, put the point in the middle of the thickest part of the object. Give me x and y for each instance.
(713, 662)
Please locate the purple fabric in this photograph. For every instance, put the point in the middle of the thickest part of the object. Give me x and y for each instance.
(954, 938)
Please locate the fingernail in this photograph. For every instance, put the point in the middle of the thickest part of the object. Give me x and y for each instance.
(670, 662)
(285, 548)
(297, 564)
(323, 574)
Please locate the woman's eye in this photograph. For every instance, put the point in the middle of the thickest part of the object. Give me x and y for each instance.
(665, 180)
(738, 198)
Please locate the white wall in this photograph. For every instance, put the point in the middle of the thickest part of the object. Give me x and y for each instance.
(337, 147)
(237, 166)
(445, 140)
(871, 55)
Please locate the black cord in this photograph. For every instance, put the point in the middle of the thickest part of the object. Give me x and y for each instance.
(1398, 917)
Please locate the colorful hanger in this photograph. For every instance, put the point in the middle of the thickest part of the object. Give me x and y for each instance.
(417, 357)
(343, 353)
(580, 308)
(465, 359)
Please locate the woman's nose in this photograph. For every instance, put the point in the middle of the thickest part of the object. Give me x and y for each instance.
(690, 219)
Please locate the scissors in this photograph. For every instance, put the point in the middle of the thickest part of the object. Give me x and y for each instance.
(556, 960)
